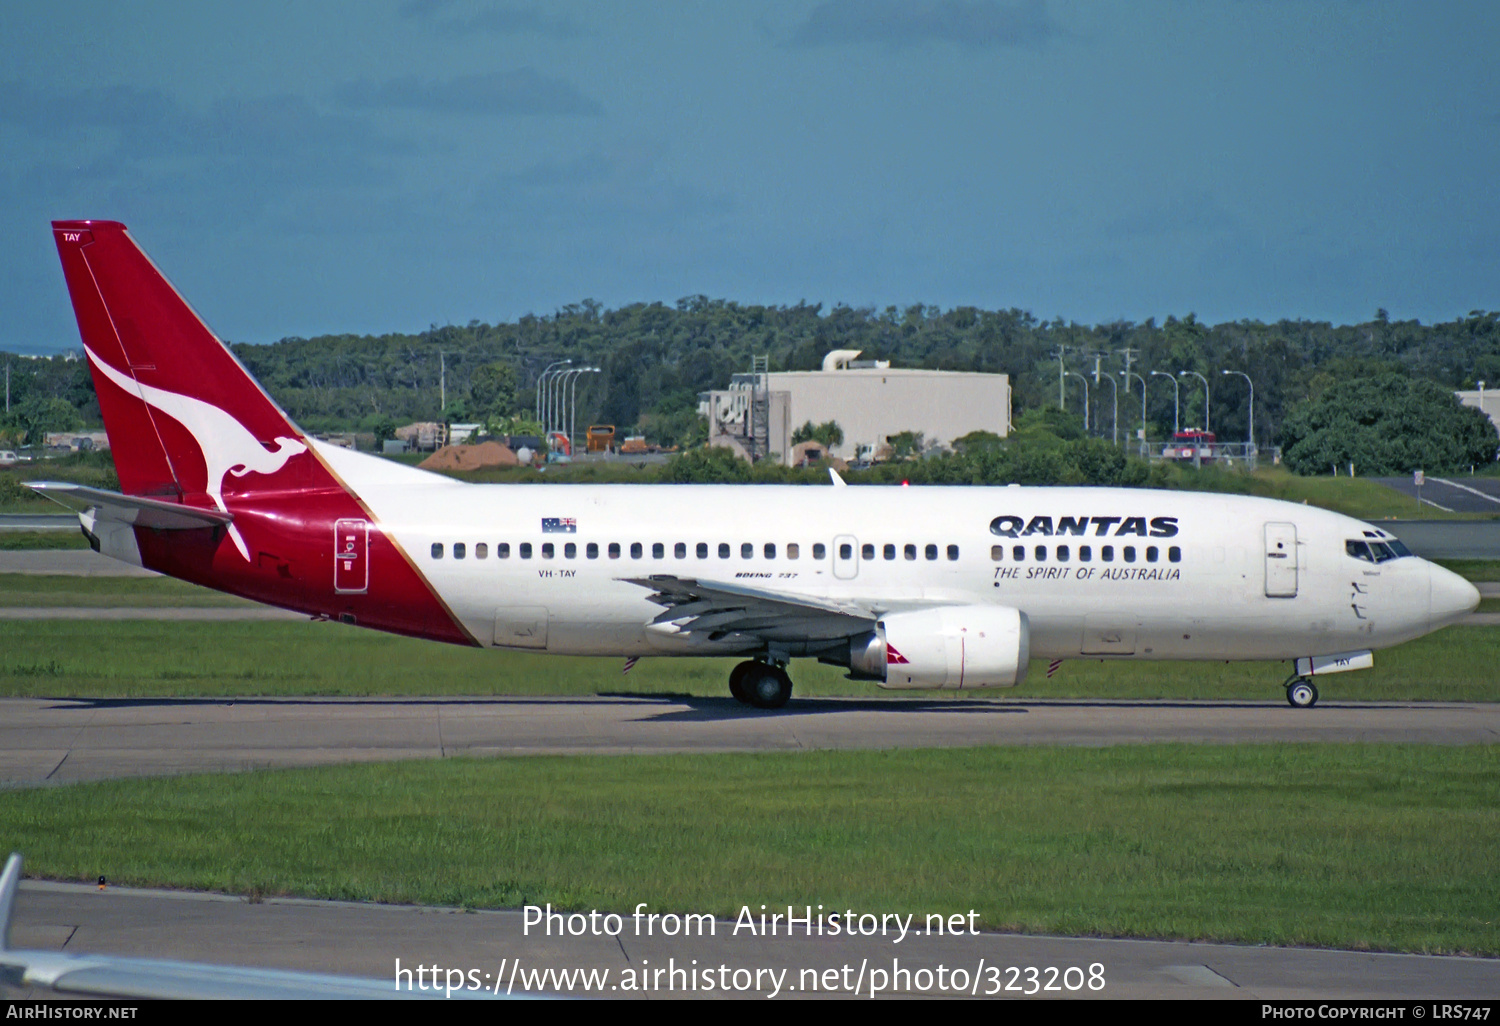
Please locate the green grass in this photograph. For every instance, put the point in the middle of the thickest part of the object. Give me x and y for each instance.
(1473, 569)
(11, 541)
(37, 590)
(1380, 847)
(153, 658)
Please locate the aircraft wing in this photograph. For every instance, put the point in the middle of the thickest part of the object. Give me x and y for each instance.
(106, 976)
(112, 507)
(720, 608)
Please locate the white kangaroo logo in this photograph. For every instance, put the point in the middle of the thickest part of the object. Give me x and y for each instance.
(227, 447)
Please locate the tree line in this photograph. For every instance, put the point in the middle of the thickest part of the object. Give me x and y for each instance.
(655, 358)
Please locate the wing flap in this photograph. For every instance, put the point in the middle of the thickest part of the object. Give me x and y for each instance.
(718, 608)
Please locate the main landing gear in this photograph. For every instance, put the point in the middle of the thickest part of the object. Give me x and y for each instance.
(1301, 693)
(761, 684)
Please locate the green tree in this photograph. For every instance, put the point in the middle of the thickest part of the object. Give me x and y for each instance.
(829, 433)
(492, 390)
(1386, 425)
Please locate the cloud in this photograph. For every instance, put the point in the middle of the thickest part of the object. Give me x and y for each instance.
(523, 92)
(502, 20)
(975, 23)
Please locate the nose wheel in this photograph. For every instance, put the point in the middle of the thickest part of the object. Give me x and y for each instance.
(1301, 693)
(762, 685)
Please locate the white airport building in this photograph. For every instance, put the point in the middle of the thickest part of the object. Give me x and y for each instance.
(1485, 400)
(869, 400)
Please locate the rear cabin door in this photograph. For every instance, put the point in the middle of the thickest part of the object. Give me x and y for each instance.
(351, 557)
(1281, 561)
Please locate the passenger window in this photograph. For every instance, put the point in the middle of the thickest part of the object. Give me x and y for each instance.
(570, 551)
(679, 551)
(525, 550)
(1151, 553)
(548, 551)
(867, 551)
(502, 551)
(614, 550)
(1107, 553)
(889, 551)
(910, 552)
(792, 551)
(458, 550)
(930, 552)
(481, 550)
(747, 551)
(592, 551)
(997, 552)
(820, 551)
(1062, 553)
(1130, 553)
(770, 550)
(658, 550)
(702, 551)
(1041, 553)
(952, 552)
(1174, 554)
(1085, 553)
(723, 550)
(846, 551)
(437, 550)
(636, 552)
(1019, 554)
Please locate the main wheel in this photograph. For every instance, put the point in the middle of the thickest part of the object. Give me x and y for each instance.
(768, 686)
(1302, 694)
(737, 680)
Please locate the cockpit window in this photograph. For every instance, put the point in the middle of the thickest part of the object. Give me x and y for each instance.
(1376, 551)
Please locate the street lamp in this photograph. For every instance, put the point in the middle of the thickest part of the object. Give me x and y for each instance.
(1250, 440)
(573, 415)
(1201, 378)
(1176, 400)
(559, 414)
(1114, 423)
(541, 385)
(1085, 381)
(1127, 375)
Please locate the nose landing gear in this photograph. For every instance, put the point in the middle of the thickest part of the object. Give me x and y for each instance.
(1301, 693)
(761, 684)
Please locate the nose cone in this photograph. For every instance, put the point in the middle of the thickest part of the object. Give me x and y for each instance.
(1452, 597)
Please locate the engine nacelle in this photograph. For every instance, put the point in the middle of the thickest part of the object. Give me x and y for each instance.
(945, 647)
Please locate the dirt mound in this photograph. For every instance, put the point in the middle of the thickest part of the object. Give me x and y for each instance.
(470, 457)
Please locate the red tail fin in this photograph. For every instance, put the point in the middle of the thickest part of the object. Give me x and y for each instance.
(180, 410)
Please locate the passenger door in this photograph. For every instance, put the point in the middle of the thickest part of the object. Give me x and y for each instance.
(1281, 560)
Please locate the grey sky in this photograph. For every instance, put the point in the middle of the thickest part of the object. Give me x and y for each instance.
(301, 168)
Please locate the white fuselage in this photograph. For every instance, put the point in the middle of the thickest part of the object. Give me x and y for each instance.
(1098, 572)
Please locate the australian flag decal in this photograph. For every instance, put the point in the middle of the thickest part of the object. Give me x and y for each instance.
(559, 525)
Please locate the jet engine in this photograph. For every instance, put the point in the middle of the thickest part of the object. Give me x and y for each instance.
(945, 647)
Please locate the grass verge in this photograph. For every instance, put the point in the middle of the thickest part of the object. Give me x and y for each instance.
(1380, 847)
(104, 659)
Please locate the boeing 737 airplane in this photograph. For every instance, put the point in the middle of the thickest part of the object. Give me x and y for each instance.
(939, 587)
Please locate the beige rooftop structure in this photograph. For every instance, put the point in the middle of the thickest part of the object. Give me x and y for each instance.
(869, 400)
(1485, 400)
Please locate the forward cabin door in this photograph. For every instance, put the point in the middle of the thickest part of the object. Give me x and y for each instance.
(1281, 561)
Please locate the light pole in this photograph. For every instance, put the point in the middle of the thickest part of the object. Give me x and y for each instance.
(1250, 439)
(1176, 400)
(1114, 424)
(1085, 381)
(559, 415)
(573, 408)
(1127, 375)
(1201, 378)
(541, 385)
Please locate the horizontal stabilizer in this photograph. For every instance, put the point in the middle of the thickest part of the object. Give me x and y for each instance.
(112, 507)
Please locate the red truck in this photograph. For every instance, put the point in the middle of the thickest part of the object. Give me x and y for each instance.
(1186, 445)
